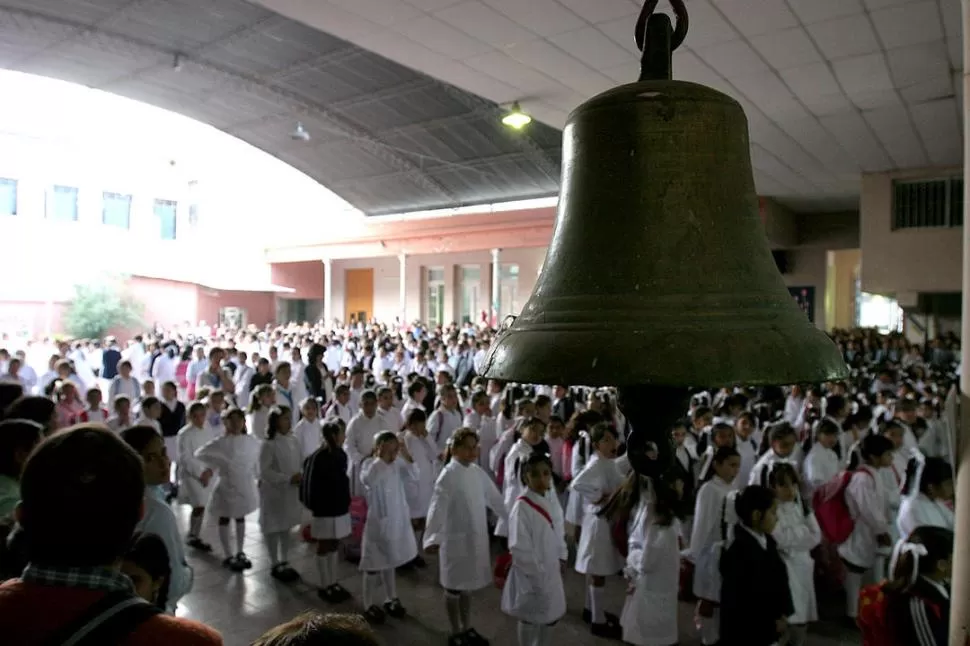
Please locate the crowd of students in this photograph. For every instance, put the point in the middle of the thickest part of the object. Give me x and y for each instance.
(386, 446)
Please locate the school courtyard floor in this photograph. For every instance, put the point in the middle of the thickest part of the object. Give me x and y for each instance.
(243, 606)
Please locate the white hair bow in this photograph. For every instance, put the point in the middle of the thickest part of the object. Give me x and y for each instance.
(904, 547)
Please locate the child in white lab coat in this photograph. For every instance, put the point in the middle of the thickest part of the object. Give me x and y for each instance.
(556, 439)
(257, 414)
(280, 475)
(194, 475)
(865, 497)
(325, 491)
(424, 450)
(711, 521)
(821, 461)
(597, 557)
(446, 418)
(388, 541)
(649, 615)
(534, 592)
(307, 430)
(457, 530)
(480, 419)
(531, 432)
(235, 456)
(893, 479)
(359, 442)
(928, 493)
(796, 534)
(778, 444)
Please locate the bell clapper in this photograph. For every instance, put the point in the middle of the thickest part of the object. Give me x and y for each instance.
(652, 412)
(657, 39)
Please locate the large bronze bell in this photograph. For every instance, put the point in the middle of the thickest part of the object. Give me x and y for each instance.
(659, 275)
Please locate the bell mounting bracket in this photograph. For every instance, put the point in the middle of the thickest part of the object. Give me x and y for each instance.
(657, 39)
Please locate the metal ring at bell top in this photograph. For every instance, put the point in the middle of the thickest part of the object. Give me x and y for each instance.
(506, 324)
(680, 28)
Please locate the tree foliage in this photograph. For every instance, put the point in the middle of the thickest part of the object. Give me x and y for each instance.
(98, 307)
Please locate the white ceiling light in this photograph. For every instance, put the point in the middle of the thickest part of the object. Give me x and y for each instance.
(515, 118)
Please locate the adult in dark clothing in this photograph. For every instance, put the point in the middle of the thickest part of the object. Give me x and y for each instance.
(563, 405)
(316, 374)
(263, 375)
(110, 359)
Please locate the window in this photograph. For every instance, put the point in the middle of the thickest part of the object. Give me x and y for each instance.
(62, 203)
(116, 210)
(8, 196)
(471, 279)
(165, 211)
(508, 291)
(435, 304)
(928, 203)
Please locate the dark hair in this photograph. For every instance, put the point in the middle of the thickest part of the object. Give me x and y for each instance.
(825, 426)
(314, 629)
(599, 431)
(936, 471)
(416, 386)
(834, 403)
(9, 393)
(275, 415)
(415, 416)
(751, 499)
(84, 476)
(721, 455)
(148, 552)
(32, 407)
(938, 542)
(139, 437)
(148, 402)
(532, 463)
(331, 431)
(193, 407)
(780, 473)
(871, 446)
(543, 400)
(775, 432)
(17, 436)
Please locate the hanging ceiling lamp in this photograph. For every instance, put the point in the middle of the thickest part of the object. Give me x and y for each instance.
(515, 118)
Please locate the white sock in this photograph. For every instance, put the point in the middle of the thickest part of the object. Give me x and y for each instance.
(224, 540)
(853, 583)
(465, 609)
(284, 547)
(272, 545)
(710, 628)
(527, 634)
(195, 526)
(596, 605)
(390, 584)
(240, 535)
(371, 582)
(453, 608)
(324, 571)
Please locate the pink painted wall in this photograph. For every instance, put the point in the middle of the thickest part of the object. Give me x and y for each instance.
(305, 277)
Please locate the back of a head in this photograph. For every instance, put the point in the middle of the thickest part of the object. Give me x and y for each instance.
(314, 629)
(82, 477)
(33, 407)
(9, 393)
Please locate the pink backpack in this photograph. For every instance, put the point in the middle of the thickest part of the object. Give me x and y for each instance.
(831, 510)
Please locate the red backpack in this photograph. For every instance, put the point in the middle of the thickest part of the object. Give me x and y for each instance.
(831, 510)
(874, 621)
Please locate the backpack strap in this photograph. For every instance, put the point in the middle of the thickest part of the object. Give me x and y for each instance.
(542, 512)
(113, 617)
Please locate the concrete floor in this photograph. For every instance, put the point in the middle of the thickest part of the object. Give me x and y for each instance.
(243, 606)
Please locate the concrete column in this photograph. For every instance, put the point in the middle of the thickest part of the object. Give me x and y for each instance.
(402, 285)
(327, 292)
(496, 286)
(960, 593)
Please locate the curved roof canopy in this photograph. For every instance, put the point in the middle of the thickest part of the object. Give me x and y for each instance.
(382, 136)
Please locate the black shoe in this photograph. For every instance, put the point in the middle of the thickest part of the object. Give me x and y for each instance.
(407, 567)
(610, 617)
(395, 609)
(459, 639)
(474, 638)
(289, 574)
(419, 562)
(244, 561)
(277, 572)
(198, 544)
(374, 615)
(341, 593)
(607, 630)
(328, 594)
(234, 564)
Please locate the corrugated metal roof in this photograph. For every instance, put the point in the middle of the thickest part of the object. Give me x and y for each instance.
(384, 137)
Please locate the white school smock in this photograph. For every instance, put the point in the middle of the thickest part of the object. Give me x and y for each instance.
(574, 505)
(279, 499)
(487, 438)
(359, 444)
(748, 451)
(291, 398)
(865, 496)
(159, 519)
(534, 590)
(425, 454)
(340, 411)
(893, 480)
(512, 486)
(765, 461)
(709, 511)
(388, 538)
(796, 535)
(409, 405)
(649, 616)
(442, 424)
(919, 510)
(309, 435)
(596, 554)
(191, 490)
(257, 422)
(821, 465)
(236, 457)
(458, 525)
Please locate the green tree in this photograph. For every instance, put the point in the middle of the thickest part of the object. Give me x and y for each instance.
(98, 307)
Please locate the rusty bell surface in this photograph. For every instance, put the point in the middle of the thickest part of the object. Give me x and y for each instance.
(659, 271)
